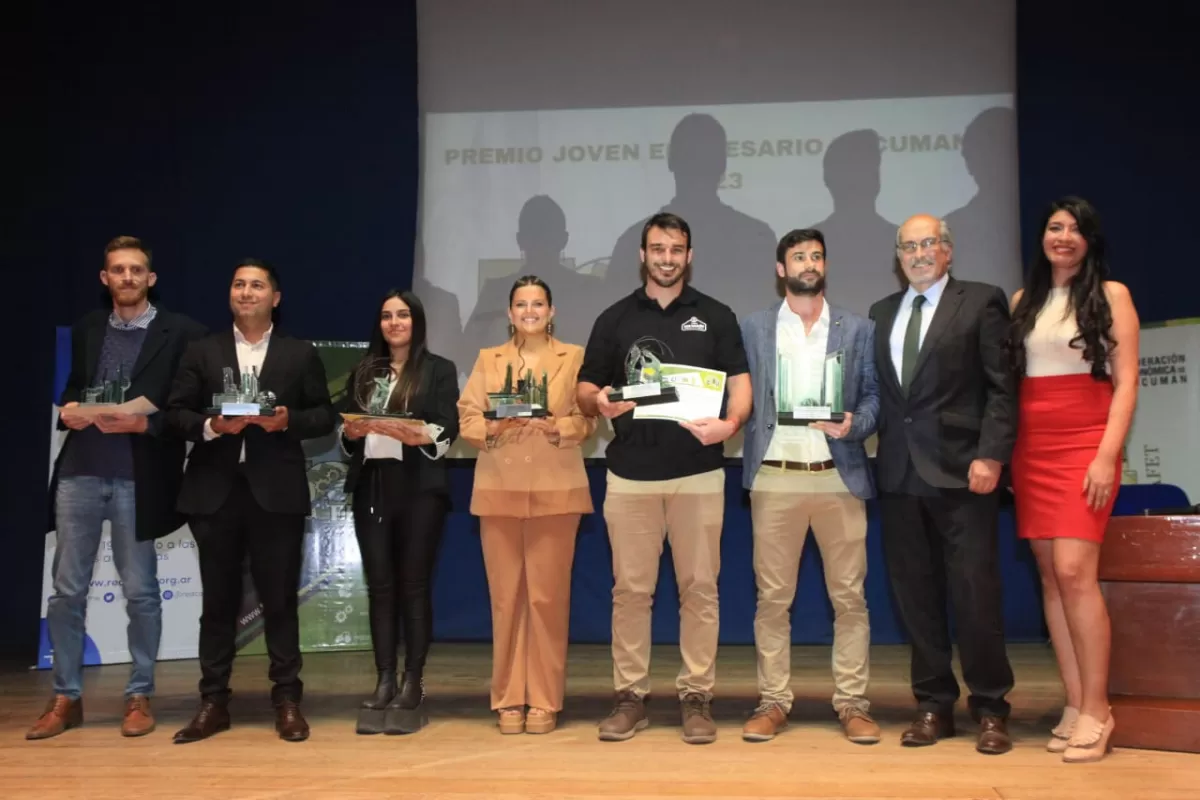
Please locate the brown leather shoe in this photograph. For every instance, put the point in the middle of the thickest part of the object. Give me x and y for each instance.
(993, 736)
(927, 728)
(212, 718)
(766, 721)
(290, 722)
(61, 713)
(138, 720)
(858, 725)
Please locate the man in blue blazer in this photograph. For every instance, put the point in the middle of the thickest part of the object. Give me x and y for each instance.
(809, 475)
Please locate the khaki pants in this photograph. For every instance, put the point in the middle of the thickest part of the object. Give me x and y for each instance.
(528, 564)
(687, 512)
(783, 506)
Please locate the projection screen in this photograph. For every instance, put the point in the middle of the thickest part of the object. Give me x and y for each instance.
(552, 130)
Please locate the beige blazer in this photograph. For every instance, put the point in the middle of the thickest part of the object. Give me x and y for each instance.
(522, 475)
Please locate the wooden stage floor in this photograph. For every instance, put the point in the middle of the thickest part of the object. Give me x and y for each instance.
(462, 755)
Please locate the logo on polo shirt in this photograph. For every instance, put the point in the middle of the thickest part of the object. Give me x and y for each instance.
(694, 324)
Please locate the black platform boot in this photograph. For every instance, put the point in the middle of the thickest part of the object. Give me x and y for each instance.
(373, 712)
(406, 712)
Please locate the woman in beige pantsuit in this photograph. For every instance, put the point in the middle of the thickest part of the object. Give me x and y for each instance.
(530, 492)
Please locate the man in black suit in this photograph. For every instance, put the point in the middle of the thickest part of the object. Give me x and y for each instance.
(245, 491)
(120, 467)
(947, 424)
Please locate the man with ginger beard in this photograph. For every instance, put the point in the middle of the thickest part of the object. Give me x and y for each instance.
(246, 492)
(121, 467)
(947, 425)
(666, 479)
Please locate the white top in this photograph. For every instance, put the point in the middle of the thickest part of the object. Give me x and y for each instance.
(805, 354)
(250, 356)
(933, 296)
(1048, 348)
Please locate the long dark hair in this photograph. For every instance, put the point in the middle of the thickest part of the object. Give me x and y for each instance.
(378, 352)
(1086, 296)
(519, 283)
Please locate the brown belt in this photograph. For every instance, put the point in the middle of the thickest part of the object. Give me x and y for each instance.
(800, 466)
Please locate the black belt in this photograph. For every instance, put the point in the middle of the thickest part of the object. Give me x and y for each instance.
(800, 466)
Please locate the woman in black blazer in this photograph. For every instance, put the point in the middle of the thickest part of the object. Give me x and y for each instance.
(400, 500)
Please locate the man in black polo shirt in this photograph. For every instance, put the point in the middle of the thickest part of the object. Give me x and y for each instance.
(665, 478)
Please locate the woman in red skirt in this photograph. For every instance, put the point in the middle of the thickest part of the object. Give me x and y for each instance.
(1075, 352)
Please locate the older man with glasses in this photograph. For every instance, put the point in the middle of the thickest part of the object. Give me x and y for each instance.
(947, 427)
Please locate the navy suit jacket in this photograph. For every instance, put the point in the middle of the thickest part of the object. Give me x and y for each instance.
(848, 332)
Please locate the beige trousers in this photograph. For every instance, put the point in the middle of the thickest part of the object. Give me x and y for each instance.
(687, 512)
(783, 505)
(528, 564)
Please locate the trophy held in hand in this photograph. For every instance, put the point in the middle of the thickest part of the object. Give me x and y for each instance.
(644, 385)
(797, 408)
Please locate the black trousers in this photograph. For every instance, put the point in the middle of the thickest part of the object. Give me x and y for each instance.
(399, 528)
(275, 546)
(939, 545)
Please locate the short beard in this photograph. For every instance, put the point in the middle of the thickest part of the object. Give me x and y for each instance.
(684, 275)
(796, 285)
(137, 300)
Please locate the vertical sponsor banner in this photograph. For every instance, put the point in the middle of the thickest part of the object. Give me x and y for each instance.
(333, 597)
(1163, 444)
(333, 592)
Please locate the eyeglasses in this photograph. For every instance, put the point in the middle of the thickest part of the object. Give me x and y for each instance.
(924, 244)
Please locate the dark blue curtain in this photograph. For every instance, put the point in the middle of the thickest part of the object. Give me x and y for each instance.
(285, 131)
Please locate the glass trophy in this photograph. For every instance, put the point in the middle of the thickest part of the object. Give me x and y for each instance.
(111, 392)
(373, 379)
(242, 398)
(528, 398)
(796, 407)
(644, 385)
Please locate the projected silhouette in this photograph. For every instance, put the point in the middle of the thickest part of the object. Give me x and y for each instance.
(443, 325)
(733, 253)
(986, 237)
(861, 243)
(443, 320)
(542, 237)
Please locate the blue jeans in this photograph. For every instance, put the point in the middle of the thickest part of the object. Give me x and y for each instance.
(81, 505)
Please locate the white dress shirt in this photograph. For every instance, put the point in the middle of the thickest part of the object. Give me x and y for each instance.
(805, 354)
(896, 341)
(250, 355)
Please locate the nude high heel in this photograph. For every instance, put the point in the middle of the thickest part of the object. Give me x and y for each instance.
(1062, 732)
(1091, 741)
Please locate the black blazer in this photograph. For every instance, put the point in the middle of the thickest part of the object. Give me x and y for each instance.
(961, 404)
(435, 401)
(275, 464)
(157, 454)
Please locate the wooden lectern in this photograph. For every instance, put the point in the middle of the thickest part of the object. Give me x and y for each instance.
(1150, 576)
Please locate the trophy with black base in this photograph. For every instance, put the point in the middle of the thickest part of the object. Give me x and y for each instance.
(796, 408)
(528, 398)
(244, 398)
(644, 384)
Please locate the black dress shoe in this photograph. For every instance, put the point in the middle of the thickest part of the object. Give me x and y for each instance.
(212, 718)
(373, 713)
(993, 736)
(927, 728)
(289, 722)
(406, 712)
